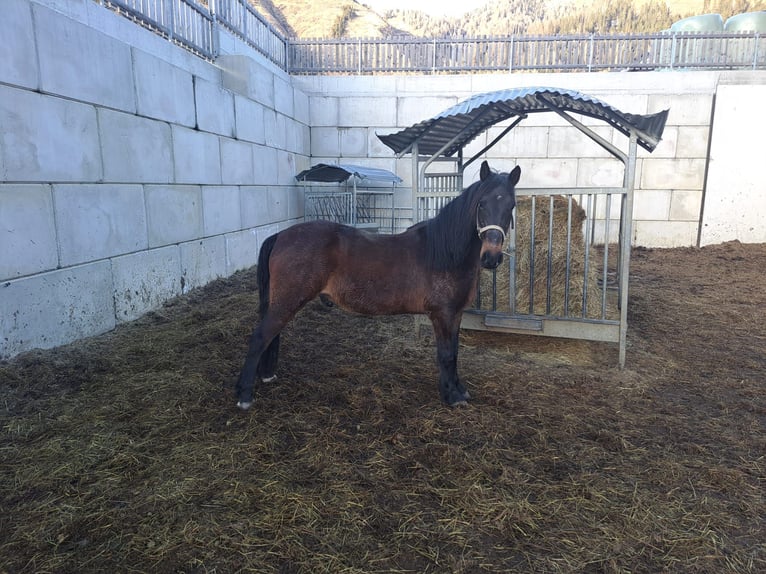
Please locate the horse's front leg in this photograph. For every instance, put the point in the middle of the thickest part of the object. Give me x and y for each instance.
(446, 330)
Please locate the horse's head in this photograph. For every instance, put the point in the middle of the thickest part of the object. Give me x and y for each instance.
(494, 213)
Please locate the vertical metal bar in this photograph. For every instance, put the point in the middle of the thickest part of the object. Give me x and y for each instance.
(512, 271)
(532, 258)
(755, 50)
(589, 225)
(568, 267)
(549, 269)
(590, 54)
(605, 262)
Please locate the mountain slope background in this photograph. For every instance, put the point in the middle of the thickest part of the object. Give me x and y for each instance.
(352, 19)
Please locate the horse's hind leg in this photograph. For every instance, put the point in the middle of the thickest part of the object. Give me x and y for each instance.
(267, 366)
(261, 354)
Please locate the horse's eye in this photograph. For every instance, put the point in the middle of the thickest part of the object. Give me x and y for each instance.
(499, 197)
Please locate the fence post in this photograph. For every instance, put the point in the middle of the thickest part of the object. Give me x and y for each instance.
(169, 14)
(433, 59)
(510, 57)
(214, 31)
(755, 50)
(590, 53)
(673, 50)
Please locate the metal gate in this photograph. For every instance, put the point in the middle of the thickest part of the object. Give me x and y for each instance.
(568, 258)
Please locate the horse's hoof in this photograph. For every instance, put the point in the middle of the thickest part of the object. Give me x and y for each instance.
(244, 405)
(467, 395)
(459, 404)
(270, 379)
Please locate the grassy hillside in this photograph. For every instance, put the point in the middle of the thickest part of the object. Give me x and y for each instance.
(352, 19)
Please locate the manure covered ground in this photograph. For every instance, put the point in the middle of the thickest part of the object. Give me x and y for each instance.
(125, 452)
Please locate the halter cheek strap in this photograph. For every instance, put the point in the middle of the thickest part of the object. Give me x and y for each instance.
(481, 230)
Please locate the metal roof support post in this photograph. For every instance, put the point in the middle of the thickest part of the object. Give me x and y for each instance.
(626, 235)
(416, 186)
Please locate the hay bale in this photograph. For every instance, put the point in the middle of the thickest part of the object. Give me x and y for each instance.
(557, 250)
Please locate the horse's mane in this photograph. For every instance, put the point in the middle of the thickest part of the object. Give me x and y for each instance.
(450, 233)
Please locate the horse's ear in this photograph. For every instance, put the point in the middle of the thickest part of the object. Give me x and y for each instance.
(485, 171)
(514, 176)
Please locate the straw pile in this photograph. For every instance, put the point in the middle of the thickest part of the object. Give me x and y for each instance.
(560, 282)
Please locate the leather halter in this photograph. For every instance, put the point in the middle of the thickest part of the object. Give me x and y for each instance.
(481, 230)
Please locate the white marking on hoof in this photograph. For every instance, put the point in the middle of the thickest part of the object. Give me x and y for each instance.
(459, 404)
(270, 379)
(244, 405)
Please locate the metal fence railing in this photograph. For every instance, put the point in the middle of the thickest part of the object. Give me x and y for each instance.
(529, 53)
(195, 24)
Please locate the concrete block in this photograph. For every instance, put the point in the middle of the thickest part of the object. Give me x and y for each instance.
(274, 128)
(47, 139)
(354, 111)
(163, 91)
(286, 171)
(665, 233)
(326, 142)
(241, 250)
(244, 76)
(196, 155)
(173, 213)
(539, 172)
(263, 205)
(18, 54)
(570, 142)
(301, 107)
(220, 209)
(651, 204)
(519, 142)
(692, 141)
(735, 202)
(144, 280)
(202, 261)
(249, 120)
(284, 99)
(375, 147)
(411, 110)
(668, 146)
(265, 165)
(685, 109)
(681, 173)
(685, 205)
(124, 139)
(27, 230)
(353, 142)
(96, 221)
(236, 162)
(79, 62)
(50, 309)
(215, 108)
(599, 172)
(323, 111)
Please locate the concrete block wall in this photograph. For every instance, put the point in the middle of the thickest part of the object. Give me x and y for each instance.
(130, 170)
(347, 112)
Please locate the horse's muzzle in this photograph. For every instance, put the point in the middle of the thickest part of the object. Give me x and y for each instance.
(491, 260)
(491, 249)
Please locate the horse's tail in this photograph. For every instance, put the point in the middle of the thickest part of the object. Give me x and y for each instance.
(263, 276)
(268, 361)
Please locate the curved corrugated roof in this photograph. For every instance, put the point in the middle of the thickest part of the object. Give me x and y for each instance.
(342, 171)
(466, 120)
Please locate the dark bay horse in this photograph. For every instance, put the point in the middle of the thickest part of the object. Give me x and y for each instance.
(431, 268)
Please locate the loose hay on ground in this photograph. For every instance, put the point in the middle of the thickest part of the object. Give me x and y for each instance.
(125, 453)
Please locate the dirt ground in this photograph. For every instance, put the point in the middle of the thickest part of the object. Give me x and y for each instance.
(125, 453)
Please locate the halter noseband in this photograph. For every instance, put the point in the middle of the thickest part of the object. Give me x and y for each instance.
(481, 230)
